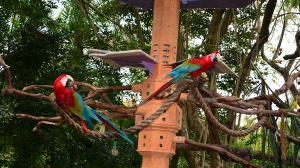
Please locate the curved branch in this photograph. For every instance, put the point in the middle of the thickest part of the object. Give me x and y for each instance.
(246, 152)
(116, 23)
(25, 94)
(210, 117)
(8, 84)
(93, 26)
(111, 107)
(38, 125)
(118, 115)
(220, 151)
(39, 118)
(32, 87)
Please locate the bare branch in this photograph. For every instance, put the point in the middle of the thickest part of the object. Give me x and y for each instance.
(38, 125)
(116, 23)
(118, 115)
(32, 87)
(111, 107)
(139, 27)
(93, 26)
(7, 74)
(220, 151)
(39, 118)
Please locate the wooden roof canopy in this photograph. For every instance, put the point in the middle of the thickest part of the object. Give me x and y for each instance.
(193, 4)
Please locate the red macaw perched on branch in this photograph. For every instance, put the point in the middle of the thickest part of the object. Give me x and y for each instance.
(72, 102)
(191, 67)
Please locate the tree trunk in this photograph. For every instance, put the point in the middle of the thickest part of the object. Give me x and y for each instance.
(139, 27)
(262, 39)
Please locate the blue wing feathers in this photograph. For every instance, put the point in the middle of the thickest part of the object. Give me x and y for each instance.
(85, 113)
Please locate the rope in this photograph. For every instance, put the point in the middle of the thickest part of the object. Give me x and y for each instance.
(282, 135)
(269, 101)
(288, 137)
(210, 117)
(184, 84)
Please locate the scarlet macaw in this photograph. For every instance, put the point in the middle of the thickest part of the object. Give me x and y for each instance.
(191, 67)
(72, 102)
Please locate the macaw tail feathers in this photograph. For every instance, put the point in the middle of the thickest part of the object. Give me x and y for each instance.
(82, 123)
(105, 121)
(163, 87)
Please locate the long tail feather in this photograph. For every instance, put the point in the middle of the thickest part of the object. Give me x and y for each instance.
(163, 87)
(105, 121)
(82, 123)
(112, 126)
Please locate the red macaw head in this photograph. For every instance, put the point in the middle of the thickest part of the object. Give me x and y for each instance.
(215, 57)
(64, 80)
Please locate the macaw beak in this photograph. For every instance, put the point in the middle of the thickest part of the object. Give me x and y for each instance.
(70, 82)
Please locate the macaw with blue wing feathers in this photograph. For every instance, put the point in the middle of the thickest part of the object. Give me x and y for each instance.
(72, 102)
(191, 67)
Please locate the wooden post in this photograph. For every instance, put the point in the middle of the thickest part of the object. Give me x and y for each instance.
(156, 142)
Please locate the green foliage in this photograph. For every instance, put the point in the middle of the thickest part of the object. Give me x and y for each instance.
(38, 49)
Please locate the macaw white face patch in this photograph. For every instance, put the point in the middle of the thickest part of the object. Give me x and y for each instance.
(64, 80)
(219, 57)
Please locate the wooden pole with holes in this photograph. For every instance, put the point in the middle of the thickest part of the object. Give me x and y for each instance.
(157, 142)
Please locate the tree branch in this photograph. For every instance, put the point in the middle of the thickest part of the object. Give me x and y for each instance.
(116, 23)
(93, 26)
(139, 27)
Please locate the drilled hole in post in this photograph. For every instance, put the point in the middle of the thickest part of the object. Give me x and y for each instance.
(161, 137)
(178, 121)
(142, 118)
(148, 85)
(144, 136)
(165, 111)
(144, 144)
(160, 145)
(164, 119)
(147, 93)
